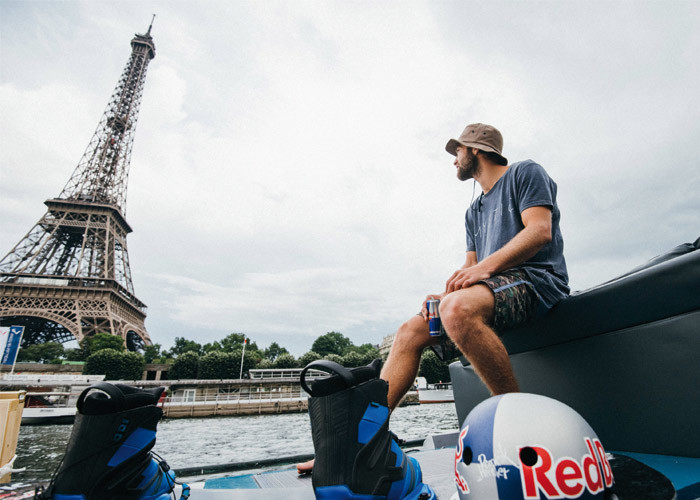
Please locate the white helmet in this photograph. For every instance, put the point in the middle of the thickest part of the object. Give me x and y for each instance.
(526, 446)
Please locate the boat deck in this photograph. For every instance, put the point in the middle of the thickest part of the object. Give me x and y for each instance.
(437, 467)
(665, 478)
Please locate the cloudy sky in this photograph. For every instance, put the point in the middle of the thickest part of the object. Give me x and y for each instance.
(289, 177)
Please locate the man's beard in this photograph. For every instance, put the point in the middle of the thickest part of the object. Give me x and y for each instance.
(468, 168)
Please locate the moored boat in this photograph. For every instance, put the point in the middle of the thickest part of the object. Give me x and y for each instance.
(50, 399)
(46, 408)
(440, 392)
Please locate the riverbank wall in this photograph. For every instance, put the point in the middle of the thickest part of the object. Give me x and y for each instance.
(233, 408)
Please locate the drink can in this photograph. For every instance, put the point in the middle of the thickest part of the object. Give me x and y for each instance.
(434, 317)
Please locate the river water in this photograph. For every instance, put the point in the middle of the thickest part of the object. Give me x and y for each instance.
(216, 440)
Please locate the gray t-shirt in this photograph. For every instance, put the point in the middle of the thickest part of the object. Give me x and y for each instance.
(494, 219)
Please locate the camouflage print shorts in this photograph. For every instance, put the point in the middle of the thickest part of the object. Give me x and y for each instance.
(515, 303)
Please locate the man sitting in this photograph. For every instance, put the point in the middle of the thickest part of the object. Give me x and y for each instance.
(514, 270)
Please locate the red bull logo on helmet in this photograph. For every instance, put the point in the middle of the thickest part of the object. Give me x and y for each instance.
(521, 446)
(567, 477)
(543, 476)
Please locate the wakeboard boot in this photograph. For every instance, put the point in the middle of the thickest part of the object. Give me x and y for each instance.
(356, 456)
(108, 456)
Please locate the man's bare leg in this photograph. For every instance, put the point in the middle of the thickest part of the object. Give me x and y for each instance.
(466, 315)
(401, 366)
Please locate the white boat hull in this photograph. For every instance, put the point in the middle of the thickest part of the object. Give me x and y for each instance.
(39, 416)
(427, 396)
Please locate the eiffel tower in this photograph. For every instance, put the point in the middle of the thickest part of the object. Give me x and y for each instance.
(69, 277)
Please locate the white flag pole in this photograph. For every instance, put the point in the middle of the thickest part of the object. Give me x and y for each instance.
(19, 344)
(245, 340)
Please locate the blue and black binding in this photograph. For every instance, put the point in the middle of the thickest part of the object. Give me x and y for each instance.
(357, 458)
(108, 456)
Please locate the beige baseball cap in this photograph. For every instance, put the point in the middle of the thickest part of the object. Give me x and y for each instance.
(480, 136)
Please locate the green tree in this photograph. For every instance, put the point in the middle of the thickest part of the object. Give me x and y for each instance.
(234, 342)
(52, 352)
(308, 358)
(48, 352)
(360, 349)
(106, 341)
(212, 347)
(231, 343)
(27, 354)
(91, 344)
(166, 356)
(367, 353)
(185, 366)
(151, 353)
(432, 368)
(285, 361)
(274, 351)
(334, 357)
(265, 364)
(115, 365)
(75, 354)
(182, 345)
(331, 343)
(226, 365)
(219, 365)
(352, 360)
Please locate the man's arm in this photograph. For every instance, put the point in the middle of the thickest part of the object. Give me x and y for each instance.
(525, 244)
(471, 260)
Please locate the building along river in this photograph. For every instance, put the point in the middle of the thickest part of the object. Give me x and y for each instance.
(203, 441)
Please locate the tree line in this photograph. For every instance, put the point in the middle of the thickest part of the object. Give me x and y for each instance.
(221, 359)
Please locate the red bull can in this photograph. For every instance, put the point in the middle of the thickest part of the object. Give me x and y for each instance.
(434, 322)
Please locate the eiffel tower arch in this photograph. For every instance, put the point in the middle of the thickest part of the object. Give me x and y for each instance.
(69, 277)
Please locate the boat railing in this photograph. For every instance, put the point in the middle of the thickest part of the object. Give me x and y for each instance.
(44, 377)
(284, 373)
(234, 397)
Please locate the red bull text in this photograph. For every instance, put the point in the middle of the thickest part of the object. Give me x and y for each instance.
(567, 477)
(553, 477)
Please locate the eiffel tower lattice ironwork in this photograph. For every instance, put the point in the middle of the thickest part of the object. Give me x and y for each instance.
(69, 277)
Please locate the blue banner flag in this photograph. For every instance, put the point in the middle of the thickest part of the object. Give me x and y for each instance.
(11, 340)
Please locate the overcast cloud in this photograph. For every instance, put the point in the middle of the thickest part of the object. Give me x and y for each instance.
(289, 177)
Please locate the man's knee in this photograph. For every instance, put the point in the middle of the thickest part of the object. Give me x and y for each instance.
(413, 334)
(464, 307)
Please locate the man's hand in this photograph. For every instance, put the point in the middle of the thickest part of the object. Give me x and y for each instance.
(424, 309)
(464, 278)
